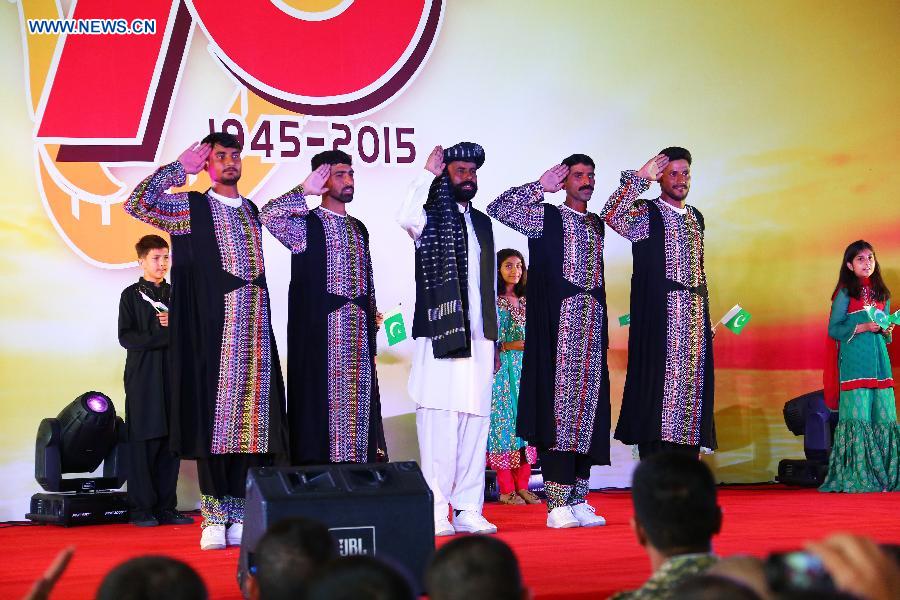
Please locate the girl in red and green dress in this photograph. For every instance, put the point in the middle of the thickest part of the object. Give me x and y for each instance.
(865, 455)
(507, 454)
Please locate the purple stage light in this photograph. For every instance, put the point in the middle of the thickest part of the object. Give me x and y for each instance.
(98, 404)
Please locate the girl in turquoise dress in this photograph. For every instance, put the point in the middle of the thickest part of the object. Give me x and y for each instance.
(865, 455)
(507, 454)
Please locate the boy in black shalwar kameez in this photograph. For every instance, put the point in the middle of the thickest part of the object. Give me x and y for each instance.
(144, 333)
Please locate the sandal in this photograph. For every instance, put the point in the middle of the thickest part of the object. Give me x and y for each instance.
(511, 498)
(528, 497)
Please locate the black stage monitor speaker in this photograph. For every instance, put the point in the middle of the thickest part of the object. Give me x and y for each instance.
(381, 509)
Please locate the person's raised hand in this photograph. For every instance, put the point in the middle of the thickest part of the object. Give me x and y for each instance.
(315, 182)
(193, 160)
(43, 586)
(554, 178)
(858, 566)
(435, 162)
(654, 167)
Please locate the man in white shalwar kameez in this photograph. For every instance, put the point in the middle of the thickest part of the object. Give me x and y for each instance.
(455, 327)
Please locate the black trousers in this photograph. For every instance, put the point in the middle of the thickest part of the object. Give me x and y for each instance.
(648, 449)
(564, 467)
(152, 476)
(223, 475)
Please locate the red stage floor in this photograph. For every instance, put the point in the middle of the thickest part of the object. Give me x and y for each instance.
(572, 563)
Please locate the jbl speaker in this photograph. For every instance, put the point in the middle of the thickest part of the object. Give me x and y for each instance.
(381, 509)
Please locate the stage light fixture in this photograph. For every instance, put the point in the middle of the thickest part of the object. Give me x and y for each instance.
(86, 433)
(809, 416)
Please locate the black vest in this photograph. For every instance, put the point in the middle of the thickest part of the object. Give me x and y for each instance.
(485, 234)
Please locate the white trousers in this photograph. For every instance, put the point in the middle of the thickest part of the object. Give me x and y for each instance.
(453, 447)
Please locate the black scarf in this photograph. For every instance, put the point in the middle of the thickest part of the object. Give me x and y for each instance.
(443, 256)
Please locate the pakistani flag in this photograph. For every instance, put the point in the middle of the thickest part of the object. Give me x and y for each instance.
(736, 318)
(626, 320)
(394, 327)
(879, 317)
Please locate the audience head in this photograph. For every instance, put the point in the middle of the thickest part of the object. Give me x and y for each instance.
(675, 509)
(475, 567)
(152, 577)
(359, 578)
(287, 557)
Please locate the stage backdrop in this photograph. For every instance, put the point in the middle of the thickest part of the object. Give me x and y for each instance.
(788, 110)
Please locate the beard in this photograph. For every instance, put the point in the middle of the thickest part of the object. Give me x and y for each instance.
(677, 194)
(345, 195)
(230, 179)
(463, 192)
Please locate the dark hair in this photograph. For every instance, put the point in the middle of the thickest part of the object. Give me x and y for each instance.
(474, 567)
(150, 577)
(148, 243)
(847, 279)
(674, 498)
(578, 159)
(330, 157)
(712, 587)
(519, 288)
(288, 555)
(224, 139)
(359, 578)
(676, 153)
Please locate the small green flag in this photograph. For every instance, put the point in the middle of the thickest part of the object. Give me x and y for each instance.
(625, 320)
(879, 317)
(736, 318)
(395, 328)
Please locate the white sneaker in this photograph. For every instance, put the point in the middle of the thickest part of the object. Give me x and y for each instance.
(234, 533)
(442, 527)
(586, 515)
(469, 521)
(213, 537)
(561, 517)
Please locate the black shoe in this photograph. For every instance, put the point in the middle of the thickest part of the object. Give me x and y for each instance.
(173, 517)
(142, 519)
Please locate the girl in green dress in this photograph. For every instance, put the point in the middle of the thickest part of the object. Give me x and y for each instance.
(865, 455)
(507, 454)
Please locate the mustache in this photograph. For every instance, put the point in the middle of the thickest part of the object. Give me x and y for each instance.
(586, 187)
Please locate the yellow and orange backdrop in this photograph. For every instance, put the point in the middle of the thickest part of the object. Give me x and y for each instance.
(788, 109)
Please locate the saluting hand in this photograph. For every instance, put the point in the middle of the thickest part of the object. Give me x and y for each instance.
(315, 182)
(654, 167)
(554, 178)
(435, 163)
(194, 158)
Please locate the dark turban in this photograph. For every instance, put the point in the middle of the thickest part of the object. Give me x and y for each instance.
(465, 151)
